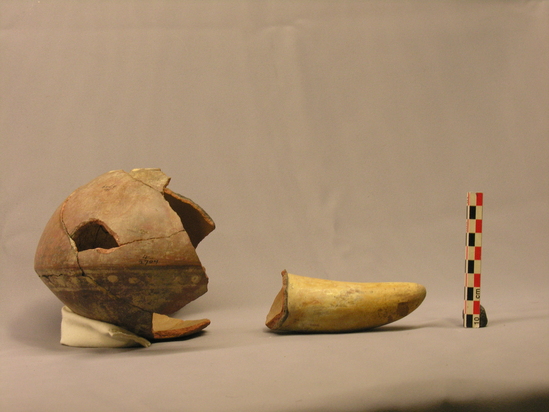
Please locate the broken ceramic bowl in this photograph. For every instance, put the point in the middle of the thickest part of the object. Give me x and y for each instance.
(121, 249)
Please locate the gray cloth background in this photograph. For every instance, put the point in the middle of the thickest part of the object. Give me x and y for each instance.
(334, 139)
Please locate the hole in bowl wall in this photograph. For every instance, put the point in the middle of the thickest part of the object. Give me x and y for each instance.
(92, 235)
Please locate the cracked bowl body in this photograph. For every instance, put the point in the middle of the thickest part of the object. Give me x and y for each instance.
(122, 247)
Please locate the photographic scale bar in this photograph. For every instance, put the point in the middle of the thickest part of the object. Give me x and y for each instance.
(473, 314)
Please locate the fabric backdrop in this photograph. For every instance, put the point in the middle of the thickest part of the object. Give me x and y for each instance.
(334, 139)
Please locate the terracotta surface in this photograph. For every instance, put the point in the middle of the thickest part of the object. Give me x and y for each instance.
(122, 248)
(307, 304)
